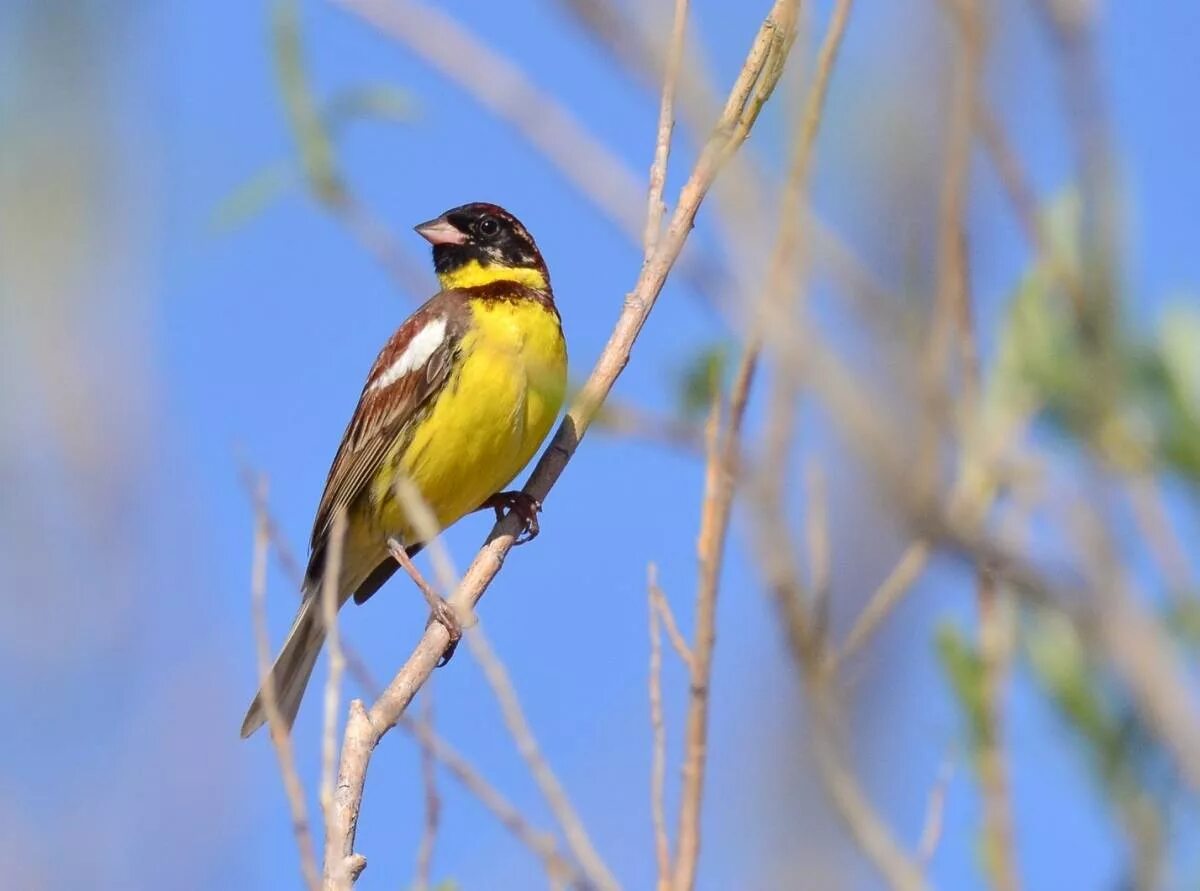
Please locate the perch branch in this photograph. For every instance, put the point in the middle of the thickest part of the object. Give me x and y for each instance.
(365, 728)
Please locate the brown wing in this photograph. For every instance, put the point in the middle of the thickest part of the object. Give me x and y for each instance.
(409, 371)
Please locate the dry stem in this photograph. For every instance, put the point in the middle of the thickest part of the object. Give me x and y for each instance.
(552, 790)
(658, 758)
(541, 843)
(433, 804)
(276, 725)
(337, 660)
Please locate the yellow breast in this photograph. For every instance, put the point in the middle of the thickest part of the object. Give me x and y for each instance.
(493, 413)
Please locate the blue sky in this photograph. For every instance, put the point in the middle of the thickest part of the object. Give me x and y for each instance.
(251, 344)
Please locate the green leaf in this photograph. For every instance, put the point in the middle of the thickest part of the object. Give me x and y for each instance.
(253, 197)
(1179, 358)
(963, 667)
(701, 380)
(316, 148)
(384, 102)
(1062, 668)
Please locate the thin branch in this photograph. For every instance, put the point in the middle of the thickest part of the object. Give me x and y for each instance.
(499, 85)
(635, 423)
(678, 643)
(819, 559)
(880, 605)
(578, 840)
(778, 310)
(337, 660)
(576, 834)
(1106, 615)
(714, 525)
(433, 804)
(994, 650)
(666, 125)
(870, 833)
(364, 729)
(277, 726)
(541, 843)
(935, 814)
(378, 239)
(658, 732)
(954, 299)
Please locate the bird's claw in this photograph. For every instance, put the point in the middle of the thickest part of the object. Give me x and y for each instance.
(524, 505)
(443, 613)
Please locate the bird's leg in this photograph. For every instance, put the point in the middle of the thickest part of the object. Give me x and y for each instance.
(442, 611)
(523, 505)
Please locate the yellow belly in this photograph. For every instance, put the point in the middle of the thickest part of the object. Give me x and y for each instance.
(490, 418)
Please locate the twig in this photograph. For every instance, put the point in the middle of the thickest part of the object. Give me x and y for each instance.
(992, 761)
(817, 531)
(379, 241)
(504, 89)
(337, 660)
(277, 726)
(714, 524)
(576, 834)
(880, 605)
(541, 843)
(778, 312)
(658, 732)
(317, 158)
(1145, 495)
(674, 635)
(578, 840)
(851, 803)
(1110, 619)
(935, 814)
(954, 299)
(364, 729)
(433, 804)
(636, 423)
(666, 125)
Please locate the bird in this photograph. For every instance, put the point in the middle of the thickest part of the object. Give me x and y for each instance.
(457, 402)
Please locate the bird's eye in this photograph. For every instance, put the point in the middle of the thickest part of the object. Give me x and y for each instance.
(489, 227)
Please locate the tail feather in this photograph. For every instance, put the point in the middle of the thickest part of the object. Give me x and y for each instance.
(292, 669)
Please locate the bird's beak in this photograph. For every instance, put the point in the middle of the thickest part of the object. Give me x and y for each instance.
(440, 231)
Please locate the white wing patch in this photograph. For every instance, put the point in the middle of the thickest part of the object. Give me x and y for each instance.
(420, 348)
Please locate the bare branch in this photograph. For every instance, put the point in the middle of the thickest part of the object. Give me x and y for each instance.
(541, 843)
(337, 660)
(658, 757)
(819, 553)
(433, 804)
(714, 525)
(365, 729)
(880, 605)
(992, 759)
(666, 125)
(935, 814)
(504, 89)
(659, 598)
(552, 790)
(280, 738)
(852, 804)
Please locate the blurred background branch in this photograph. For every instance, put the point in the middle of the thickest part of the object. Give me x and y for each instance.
(957, 527)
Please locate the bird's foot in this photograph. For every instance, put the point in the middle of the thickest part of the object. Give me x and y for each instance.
(440, 609)
(443, 613)
(523, 505)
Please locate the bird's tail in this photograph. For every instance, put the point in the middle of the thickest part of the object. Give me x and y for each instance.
(292, 669)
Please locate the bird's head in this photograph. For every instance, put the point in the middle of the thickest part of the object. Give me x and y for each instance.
(480, 244)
